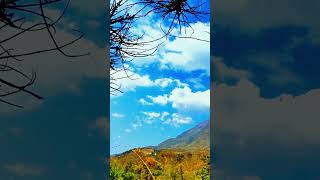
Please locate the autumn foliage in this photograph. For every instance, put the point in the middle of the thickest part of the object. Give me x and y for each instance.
(165, 164)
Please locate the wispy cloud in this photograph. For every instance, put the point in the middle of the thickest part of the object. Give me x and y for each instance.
(137, 80)
(144, 102)
(164, 115)
(177, 120)
(118, 115)
(151, 116)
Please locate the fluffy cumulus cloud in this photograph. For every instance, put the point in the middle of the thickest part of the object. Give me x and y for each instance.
(161, 99)
(135, 80)
(182, 98)
(188, 54)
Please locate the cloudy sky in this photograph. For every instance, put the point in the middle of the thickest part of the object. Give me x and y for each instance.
(266, 83)
(267, 89)
(171, 90)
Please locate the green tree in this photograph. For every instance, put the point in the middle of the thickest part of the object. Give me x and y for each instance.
(204, 172)
(116, 173)
(129, 176)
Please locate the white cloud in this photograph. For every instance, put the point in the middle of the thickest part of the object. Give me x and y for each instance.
(136, 125)
(177, 120)
(117, 115)
(188, 54)
(162, 100)
(164, 82)
(185, 99)
(196, 82)
(136, 80)
(164, 115)
(151, 117)
(144, 102)
(184, 54)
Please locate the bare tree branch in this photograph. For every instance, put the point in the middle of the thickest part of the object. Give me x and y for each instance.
(20, 17)
(125, 45)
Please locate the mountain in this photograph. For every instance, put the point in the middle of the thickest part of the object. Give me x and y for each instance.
(197, 137)
(185, 157)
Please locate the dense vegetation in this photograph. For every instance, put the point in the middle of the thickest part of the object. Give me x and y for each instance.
(167, 164)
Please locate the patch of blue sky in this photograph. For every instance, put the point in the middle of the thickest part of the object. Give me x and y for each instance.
(134, 130)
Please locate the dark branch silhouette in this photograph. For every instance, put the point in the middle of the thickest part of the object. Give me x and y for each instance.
(21, 17)
(125, 45)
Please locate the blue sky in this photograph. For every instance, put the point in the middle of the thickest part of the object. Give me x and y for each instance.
(170, 93)
(266, 96)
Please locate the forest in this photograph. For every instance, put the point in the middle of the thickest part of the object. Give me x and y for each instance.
(166, 164)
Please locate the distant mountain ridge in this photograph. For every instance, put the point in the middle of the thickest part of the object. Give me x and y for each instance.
(197, 137)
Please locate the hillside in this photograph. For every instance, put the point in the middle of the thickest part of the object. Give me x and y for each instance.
(185, 157)
(166, 164)
(194, 138)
